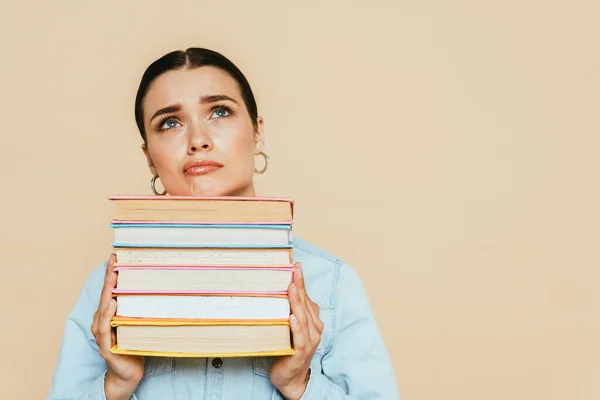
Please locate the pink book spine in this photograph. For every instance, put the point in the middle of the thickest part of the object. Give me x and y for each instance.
(199, 292)
(131, 221)
(233, 198)
(200, 268)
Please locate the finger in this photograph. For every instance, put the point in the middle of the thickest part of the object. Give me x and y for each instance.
(313, 311)
(313, 324)
(316, 308)
(93, 325)
(298, 308)
(309, 305)
(110, 265)
(316, 317)
(314, 333)
(299, 279)
(298, 336)
(109, 283)
(104, 329)
(94, 329)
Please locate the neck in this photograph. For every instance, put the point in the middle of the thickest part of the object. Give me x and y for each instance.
(246, 191)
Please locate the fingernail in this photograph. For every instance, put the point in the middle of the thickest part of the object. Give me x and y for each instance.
(294, 288)
(294, 320)
(299, 271)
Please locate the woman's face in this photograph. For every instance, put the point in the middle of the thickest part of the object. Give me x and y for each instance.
(200, 139)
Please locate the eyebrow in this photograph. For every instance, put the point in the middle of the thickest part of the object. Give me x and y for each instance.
(167, 110)
(215, 98)
(203, 100)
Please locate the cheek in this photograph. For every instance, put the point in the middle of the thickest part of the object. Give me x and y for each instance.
(165, 156)
(239, 150)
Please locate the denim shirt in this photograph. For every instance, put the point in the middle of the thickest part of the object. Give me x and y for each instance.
(350, 362)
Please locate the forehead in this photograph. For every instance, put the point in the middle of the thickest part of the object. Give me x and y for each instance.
(187, 85)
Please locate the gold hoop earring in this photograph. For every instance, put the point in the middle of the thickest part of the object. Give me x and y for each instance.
(266, 157)
(153, 186)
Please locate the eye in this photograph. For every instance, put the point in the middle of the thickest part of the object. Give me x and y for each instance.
(168, 123)
(220, 111)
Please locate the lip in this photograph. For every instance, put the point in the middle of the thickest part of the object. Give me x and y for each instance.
(200, 167)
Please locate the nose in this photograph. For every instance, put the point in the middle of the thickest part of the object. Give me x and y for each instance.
(199, 139)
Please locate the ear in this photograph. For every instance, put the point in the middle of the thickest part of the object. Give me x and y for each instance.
(259, 137)
(149, 159)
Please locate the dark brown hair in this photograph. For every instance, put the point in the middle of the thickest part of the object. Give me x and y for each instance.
(193, 57)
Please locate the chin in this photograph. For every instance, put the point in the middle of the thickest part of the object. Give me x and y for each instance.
(207, 192)
(217, 190)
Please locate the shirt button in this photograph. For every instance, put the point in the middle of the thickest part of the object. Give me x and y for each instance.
(217, 362)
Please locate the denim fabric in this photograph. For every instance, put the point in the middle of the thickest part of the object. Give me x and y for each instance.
(351, 361)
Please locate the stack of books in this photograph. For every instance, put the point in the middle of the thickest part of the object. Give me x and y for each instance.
(202, 276)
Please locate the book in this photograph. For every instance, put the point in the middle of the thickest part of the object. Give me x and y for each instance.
(202, 306)
(202, 339)
(190, 209)
(202, 276)
(201, 235)
(136, 256)
(228, 279)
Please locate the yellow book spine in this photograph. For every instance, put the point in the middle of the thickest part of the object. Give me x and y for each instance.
(116, 350)
(119, 321)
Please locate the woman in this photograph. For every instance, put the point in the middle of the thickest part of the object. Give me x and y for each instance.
(201, 133)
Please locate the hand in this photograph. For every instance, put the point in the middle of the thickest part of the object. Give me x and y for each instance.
(290, 374)
(124, 372)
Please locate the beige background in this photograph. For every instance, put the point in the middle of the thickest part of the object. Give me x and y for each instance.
(447, 150)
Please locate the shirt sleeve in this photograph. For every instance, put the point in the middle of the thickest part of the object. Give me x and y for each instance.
(79, 372)
(357, 364)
